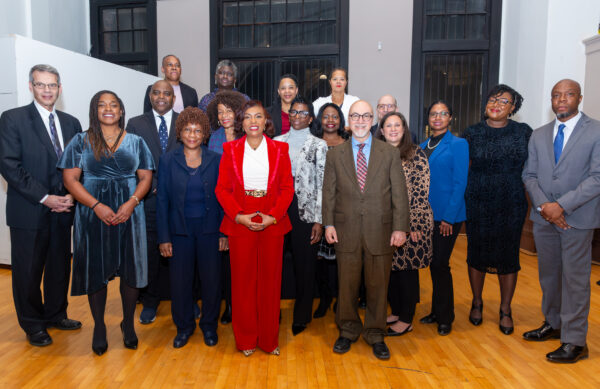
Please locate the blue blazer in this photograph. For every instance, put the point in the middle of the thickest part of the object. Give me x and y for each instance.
(173, 177)
(449, 166)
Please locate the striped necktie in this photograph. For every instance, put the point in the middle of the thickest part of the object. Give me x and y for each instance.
(54, 133)
(361, 167)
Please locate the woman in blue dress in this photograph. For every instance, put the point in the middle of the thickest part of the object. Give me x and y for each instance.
(108, 171)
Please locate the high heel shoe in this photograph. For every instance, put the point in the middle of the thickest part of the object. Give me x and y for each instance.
(275, 352)
(248, 352)
(99, 343)
(476, 321)
(506, 330)
(129, 343)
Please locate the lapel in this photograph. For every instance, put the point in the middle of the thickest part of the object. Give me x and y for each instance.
(575, 135)
(374, 161)
(172, 141)
(237, 157)
(441, 147)
(348, 162)
(207, 158)
(38, 127)
(151, 125)
(548, 136)
(67, 130)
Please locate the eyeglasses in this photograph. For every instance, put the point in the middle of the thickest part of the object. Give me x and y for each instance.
(443, 114)
(365, 116)
(302, 114)
(173, 65)
(388, 107)
(42, 86)
(502, 101)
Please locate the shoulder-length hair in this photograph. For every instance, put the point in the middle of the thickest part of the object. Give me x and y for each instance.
(239, 119)
(228, 98)
(318, 127)
(94, 133)
(406, 146)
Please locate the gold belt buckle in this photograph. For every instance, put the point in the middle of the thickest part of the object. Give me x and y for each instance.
(256, 193)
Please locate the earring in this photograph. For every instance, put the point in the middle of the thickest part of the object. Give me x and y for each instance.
(218, 123)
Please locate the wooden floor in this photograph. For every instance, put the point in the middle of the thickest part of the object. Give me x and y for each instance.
(470, 357)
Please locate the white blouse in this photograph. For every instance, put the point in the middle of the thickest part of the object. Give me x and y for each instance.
(256, 166)
(348, 101)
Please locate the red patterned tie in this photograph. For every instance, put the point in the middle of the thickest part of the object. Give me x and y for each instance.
(361, 167)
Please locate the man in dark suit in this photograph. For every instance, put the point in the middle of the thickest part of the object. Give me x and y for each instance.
(562, 176)
(38, 208)
(157, 128)
(365, 211)
(186, 96)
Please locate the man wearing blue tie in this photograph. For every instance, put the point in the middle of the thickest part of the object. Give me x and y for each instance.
(562, 176)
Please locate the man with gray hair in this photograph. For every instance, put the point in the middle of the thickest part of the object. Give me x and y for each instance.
(38, 207)
(185, 95)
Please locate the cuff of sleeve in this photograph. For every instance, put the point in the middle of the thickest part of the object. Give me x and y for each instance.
(43, 199)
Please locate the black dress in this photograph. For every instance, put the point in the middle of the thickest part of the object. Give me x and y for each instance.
(495, 196)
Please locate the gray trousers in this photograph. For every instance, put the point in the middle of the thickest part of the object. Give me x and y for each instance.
(565, 265)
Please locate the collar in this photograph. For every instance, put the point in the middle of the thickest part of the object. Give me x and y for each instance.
(44, 113)
(570, 124)
(367, 142)
(168, 116)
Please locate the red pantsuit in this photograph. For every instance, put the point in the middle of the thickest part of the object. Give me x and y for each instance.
(256, 256)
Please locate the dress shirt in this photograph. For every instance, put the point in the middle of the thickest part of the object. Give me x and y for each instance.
(366, 149)
(168, 117)
(178, 105)
(256, 166)
(569, 127)
(45, 114)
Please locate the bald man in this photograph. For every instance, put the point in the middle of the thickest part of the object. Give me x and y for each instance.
(385, 104)
(365, 211)
(186, 95)
(157, 127)
(562, 176)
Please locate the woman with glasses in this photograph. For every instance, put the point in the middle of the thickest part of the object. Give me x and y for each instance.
(496, 202)
(225, 76)
(449, 165)
(287, 90)
(307, 155)
(338, 81)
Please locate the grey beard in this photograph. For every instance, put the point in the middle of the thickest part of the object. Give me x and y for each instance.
(565, 115)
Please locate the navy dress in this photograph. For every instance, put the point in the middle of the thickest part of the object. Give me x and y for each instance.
(101, 252)
(495, 196)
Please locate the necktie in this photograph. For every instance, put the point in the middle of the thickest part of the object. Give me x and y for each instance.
(163, 135)
(54, 133)
(361, 167)
(558, 142)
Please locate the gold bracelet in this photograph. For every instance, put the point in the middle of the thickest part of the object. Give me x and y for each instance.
(136, 199)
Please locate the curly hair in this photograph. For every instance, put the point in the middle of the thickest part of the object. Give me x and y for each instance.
(193, 115)
(406, 146)
(239, 119)
(517, 99)
(228, 98)
(94, 134)
(317, 129)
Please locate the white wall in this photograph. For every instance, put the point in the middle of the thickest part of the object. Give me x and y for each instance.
(542, 44)
(591, 104)
(373, 72)
(183, 29)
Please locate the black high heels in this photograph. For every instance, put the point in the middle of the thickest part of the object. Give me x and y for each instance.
(476, 321)
(131, 343)
(506, 330)
(99, 343)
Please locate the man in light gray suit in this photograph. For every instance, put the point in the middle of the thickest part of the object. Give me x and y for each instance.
(562, 176)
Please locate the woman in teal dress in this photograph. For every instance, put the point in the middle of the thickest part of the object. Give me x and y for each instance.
(108, 171)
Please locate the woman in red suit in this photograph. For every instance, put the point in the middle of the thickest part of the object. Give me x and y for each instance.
(255, 189)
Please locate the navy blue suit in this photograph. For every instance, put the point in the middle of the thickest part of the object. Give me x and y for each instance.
(449, 167)
(195, 240)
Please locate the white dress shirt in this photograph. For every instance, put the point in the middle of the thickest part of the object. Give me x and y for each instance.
(569, 127)
(178, 105)
(256, 166)
(168, 117)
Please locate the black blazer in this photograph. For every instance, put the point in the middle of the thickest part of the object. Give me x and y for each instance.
(28, 163)
(190, 97)
(173, 177)
(275, 112)
(145, 126)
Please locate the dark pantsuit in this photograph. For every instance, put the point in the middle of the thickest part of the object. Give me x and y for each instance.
(226, 277)
(377, 274)
(327, 278)
(304, 257)
(200, 252)
(442, 301)
(565, 265)
(35, 253)
(403, 294)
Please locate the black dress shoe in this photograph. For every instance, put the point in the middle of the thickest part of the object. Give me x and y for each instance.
(65, 324)
(598, 282)
(130, 343)
(322, 308)
(391, 332)
(506, 330)
(545, 332)
(226, 317)
(181, 340)
(211, 338)
(444, 329)
(362, 303)
(479, 320)
(381, 351)
(39, 339)
(429, 319)
(298, 328)
(568, 353)
(342, 345)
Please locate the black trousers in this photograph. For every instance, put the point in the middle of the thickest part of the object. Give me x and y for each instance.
(304, 257)
(35, 254)
(442, 300)
(327, 279)
(150, 296)
(403, 294)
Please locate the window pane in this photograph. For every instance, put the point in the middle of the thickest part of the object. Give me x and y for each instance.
(246, 12)
(245, 36)
(294, 33)
(230, 37)
(261, 9)
(456, 27)
(124, 19)
(109, 19)
(277, 10)
(328, 9)
(434, 27)
(434, 6)
(136, 66)
(125, 42)
(139, 18)
(294, 10)
(311, 10)
(110, 43)
(476, 27)
(311, 33)
(476, 5)
(455, 6)
(140, 41)
(327, 34)
(261, 36)
(278, 35)
(230, 15)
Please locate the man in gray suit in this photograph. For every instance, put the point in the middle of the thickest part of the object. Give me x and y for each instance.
(562, 176)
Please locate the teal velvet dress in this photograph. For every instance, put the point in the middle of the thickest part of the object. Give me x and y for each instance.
(101, 252)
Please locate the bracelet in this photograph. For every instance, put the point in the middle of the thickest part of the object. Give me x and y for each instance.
(136, 199)
(94, 206)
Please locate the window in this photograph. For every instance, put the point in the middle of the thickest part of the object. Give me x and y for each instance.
(456, 45)
(124, 33)
(268, 38)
